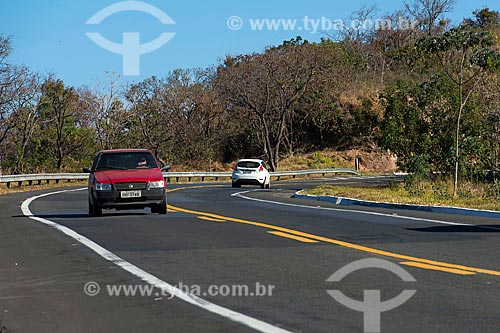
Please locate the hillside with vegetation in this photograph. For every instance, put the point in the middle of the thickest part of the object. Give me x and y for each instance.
(427, 96)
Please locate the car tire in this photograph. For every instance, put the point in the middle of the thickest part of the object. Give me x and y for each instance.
(263, 185)
(162, 207)
(94, 208)
(268, 185)
(235, 184)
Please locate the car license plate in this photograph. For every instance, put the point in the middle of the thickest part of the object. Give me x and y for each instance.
(247, 172)
(131, 194)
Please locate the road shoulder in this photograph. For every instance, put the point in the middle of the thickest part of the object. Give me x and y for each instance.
(43, 274)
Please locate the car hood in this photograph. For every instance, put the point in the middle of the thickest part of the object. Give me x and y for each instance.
(128, 176)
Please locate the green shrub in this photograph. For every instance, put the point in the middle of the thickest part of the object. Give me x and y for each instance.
(492, 191)
(440, 191)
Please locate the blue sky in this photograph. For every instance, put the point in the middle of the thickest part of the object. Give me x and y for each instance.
(50, 36)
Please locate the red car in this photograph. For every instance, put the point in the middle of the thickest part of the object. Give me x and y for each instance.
(126, 179)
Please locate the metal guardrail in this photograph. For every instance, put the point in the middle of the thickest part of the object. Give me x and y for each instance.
(44, 177)
(322, 172)
(58, 177)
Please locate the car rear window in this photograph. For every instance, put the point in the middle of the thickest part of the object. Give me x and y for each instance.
(126, 161)
(248, 164)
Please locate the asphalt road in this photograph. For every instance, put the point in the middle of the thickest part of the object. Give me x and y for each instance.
(282, 250)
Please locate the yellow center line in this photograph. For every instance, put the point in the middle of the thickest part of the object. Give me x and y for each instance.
(297, 238)
(436, 268)
(341, 243)
(210, 219)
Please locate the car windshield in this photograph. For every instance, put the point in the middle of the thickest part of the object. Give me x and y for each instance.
(126, 161)
(248, 164)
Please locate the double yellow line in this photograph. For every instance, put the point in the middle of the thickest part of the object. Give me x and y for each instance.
(311, 238)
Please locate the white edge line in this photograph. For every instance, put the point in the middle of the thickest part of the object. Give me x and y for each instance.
(241, 195)
(402, 204)
(147, 277)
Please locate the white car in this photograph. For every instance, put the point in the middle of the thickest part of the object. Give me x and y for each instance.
(251, 172)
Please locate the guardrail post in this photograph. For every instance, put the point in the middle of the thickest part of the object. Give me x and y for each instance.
(202, 178)
(20, 183)
(8, 184)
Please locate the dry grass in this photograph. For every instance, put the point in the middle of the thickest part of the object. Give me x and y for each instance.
(325, 159)
(471, 196)
(316, 160)
(371, 161)
(27, 188)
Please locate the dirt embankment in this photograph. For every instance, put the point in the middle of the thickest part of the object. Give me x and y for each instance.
(371, 160)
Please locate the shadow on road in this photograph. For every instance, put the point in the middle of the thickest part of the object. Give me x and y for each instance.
(460, 228)
(82, 215)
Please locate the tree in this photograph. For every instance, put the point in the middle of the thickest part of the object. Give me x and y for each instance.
(150, 120)
(198, 114)
(24, 107)
(7, 77)
(266, 87)
(358, 34)
(404, 130)
(104, 112)
(484, 18)
(493, 124)
(465, 57)
(428, 12)
(62, 134)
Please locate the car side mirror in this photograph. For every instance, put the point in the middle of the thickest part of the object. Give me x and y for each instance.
(87, 170)
(166, 168)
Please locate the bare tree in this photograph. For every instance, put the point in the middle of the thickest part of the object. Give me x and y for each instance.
(150, 118)
(7, 77)
(5, 49)
(266, 87)
(197, 113)
(103, 111)
(24, 107)
(358, 31)
(13, 86)
(429, 12)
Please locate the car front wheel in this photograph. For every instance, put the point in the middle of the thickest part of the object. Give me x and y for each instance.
(94, 208)
(162, 207)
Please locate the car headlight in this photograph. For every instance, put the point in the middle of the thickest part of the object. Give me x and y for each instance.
(158, 184)
(103, 187)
